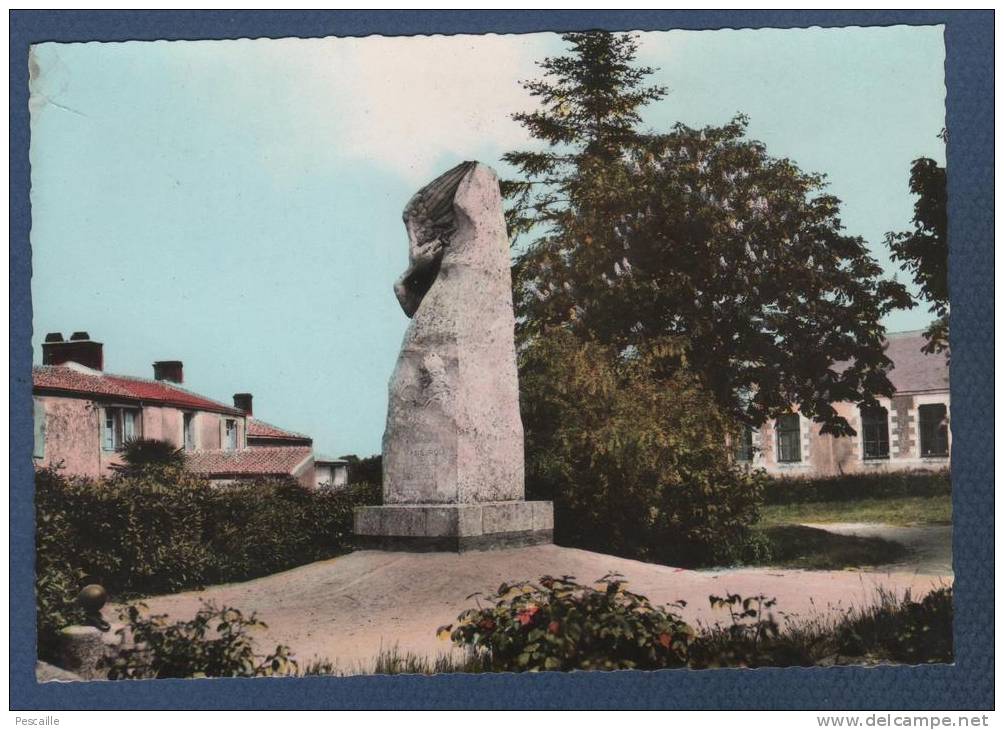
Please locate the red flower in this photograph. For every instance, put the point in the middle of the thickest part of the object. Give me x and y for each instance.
(553, 627)
(487, 624)
(664, 639)
(526, 615)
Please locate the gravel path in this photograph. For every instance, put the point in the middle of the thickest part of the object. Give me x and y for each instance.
(348, 608)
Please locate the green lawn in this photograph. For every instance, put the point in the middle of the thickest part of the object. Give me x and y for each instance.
(890, 510)
(811, 548)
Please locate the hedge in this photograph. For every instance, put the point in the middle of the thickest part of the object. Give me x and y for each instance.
(168, 531)
(850, 487)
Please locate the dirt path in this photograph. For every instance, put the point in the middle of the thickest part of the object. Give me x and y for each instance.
(929, 546)
(347, 608)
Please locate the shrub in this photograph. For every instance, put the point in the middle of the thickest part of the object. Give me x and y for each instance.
(368, 470)
(163, 530)
(635, 463)
(558, 624)
(215, 643)
(850, 487)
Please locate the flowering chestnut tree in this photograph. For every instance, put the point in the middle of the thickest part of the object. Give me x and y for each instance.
(698, 235)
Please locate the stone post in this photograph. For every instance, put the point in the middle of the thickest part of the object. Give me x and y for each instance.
(453, 445)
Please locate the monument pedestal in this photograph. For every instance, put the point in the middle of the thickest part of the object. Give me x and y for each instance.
(454, 527)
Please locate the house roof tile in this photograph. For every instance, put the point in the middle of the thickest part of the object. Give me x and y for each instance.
(264, 430)
(269, 461)
(914, 370)
(84, 381)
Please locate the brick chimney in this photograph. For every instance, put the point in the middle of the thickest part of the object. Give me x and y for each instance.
(80, 348)
(242, 402)
(173, 371)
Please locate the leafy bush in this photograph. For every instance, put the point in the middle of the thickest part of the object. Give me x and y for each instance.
(561, 625)
(164, 530)
(215, 643)
(558, 624)
(635, 463)
(368, 470)
(851, 487)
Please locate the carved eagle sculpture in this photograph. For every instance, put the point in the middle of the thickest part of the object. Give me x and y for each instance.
(430, 220)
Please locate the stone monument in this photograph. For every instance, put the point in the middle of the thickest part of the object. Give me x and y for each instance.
(453, 445)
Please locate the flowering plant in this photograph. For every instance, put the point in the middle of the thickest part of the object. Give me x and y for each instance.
(558, 624)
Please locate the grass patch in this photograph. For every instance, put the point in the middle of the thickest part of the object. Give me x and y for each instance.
(930, 510)
(810, 548)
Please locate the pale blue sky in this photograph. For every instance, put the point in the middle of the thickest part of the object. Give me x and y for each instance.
(237, 204)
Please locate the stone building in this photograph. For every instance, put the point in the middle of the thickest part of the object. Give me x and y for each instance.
(84, 416)
(910, 430)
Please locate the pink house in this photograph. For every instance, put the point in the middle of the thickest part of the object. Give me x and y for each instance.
(83, 417)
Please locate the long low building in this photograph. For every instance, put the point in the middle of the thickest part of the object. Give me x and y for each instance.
(910, 430)
(84, 416)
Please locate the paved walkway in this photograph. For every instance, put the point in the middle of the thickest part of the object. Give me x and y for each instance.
(347, 608)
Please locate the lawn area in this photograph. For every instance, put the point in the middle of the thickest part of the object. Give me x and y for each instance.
(935, 509)
(810, 548)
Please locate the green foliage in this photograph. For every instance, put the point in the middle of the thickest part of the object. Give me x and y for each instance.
(697, 235)
(902, 631)
(752, 638)
(561, 625)
(636, 466)
(215, 643)
(852, 487)
(161, 532)
(368, 470)
(923, 251)
(147, 456)
(558, 624)
(392, 661)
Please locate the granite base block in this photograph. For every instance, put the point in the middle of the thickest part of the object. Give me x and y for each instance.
(454, 527)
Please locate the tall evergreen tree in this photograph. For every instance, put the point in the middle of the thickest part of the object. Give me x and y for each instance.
(693, 237)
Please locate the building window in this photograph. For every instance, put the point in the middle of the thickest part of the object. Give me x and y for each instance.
(118, 427)
(230, 441)
(789, 438)
(744, 445)
(39, 450)
(933, 429)
(875, 432)
(188, 428)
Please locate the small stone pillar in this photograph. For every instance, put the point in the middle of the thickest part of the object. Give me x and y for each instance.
(453, 445)
(82, 649)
